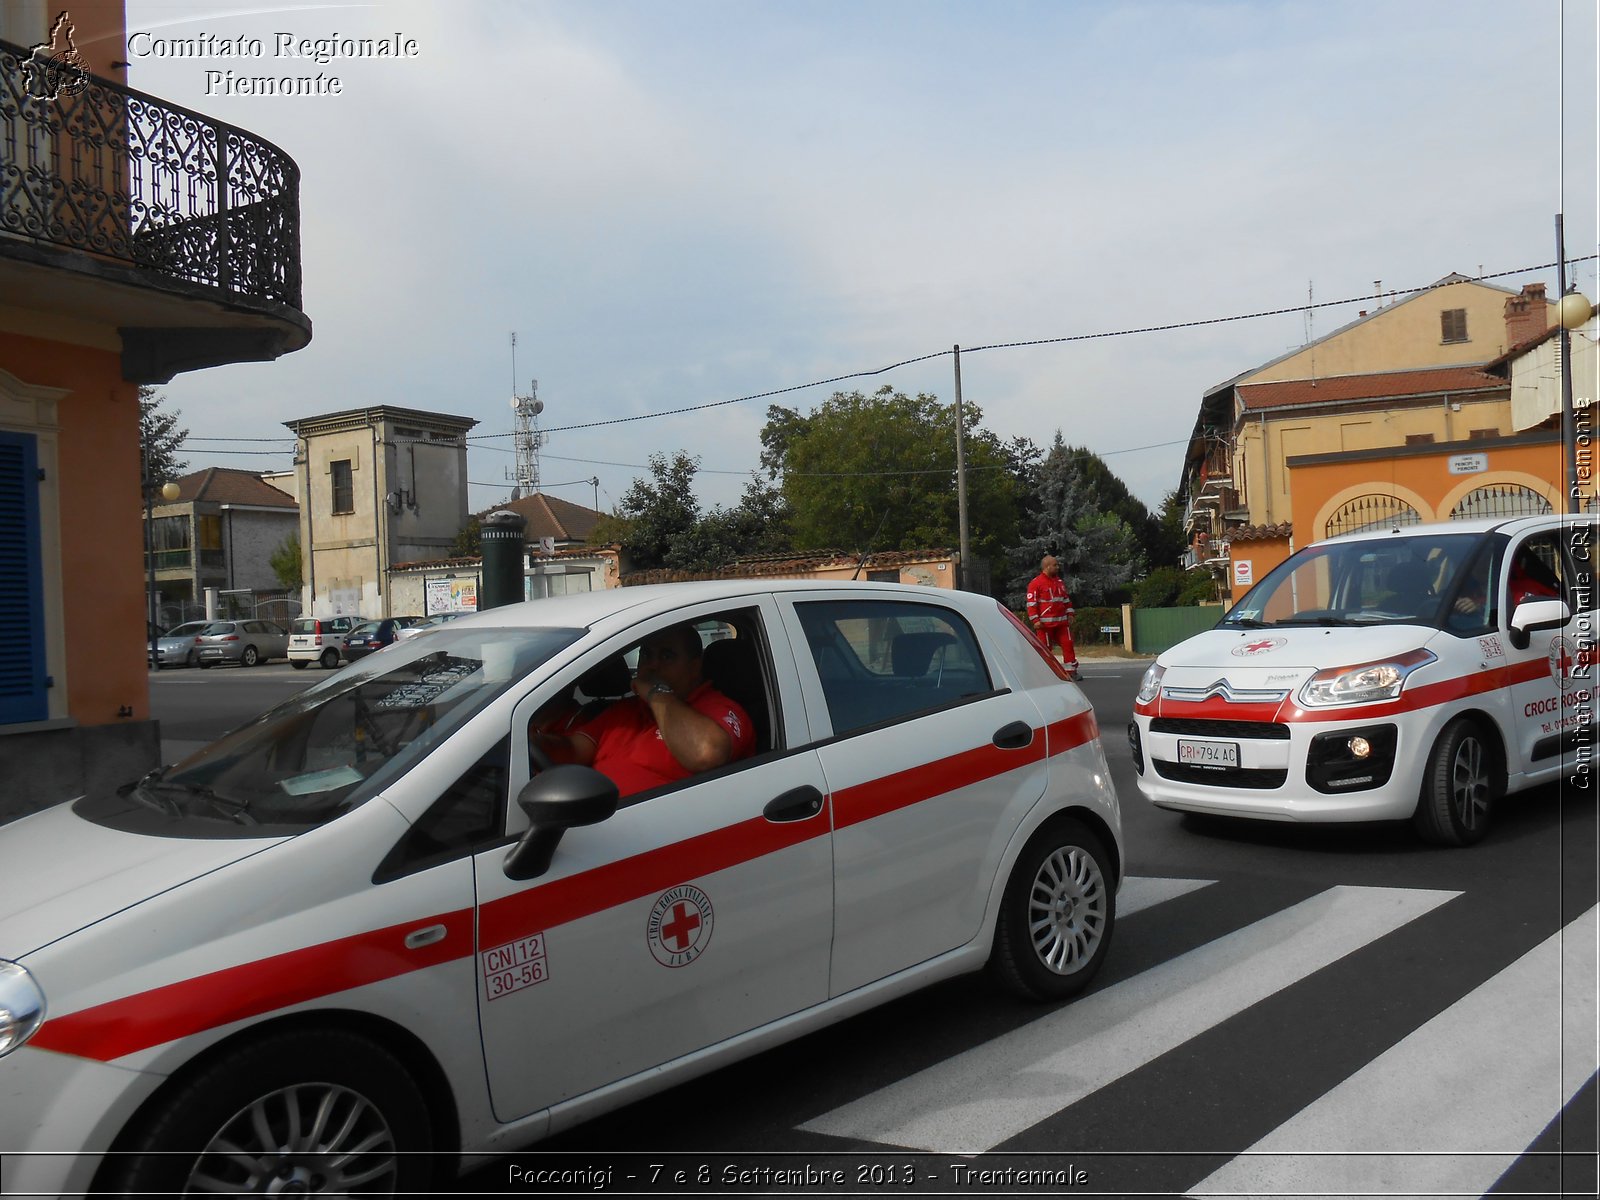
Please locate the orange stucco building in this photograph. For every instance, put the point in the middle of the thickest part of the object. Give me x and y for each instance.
(1394, 417)
(110, 278)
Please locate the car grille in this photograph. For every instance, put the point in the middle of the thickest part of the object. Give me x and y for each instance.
(1200, 727)
(1234, 777)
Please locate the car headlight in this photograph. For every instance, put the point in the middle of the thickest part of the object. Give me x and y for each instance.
(21, 1006)
(1151, 683)
(1365, 683)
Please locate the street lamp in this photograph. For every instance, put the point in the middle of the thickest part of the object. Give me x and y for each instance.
(169, 492)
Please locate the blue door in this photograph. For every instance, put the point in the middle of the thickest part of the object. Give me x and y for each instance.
(22, 677)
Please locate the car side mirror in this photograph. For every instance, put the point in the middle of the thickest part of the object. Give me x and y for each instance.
(1533, 615)
(556, 800)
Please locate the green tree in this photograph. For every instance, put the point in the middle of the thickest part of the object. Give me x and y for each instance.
(1072, 514)
(868, 473)
(468, 541)
(160, 439)
(286, 563)
(662, 516)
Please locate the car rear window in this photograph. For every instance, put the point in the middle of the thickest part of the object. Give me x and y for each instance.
(883, 660)
(304, 625)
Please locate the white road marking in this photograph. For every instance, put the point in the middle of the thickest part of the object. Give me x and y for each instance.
(974, 1101)
(1140, 892)
(1498, 1064)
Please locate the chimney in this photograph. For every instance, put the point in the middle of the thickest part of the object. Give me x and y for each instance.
(1527, 315)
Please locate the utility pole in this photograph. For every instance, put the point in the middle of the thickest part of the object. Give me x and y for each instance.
(961, 478)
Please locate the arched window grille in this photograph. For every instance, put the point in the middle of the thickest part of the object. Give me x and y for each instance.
(1500, 500)
(1373, 511)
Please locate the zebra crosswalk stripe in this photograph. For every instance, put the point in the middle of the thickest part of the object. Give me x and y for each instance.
(974, 1101)
(1499, 1064)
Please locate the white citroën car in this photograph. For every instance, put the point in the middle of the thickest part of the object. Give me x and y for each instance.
(372, 920)
(1419, 672)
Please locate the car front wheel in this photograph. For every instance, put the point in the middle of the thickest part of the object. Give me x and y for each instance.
(1459, 786)
(324, 1112)
(1057, 914)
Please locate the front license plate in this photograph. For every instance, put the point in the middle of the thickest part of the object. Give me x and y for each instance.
(1208, 754)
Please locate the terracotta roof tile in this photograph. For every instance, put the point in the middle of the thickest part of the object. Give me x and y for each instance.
(1260, 533)
(1389, 385)
(229, 485)
(552, 517)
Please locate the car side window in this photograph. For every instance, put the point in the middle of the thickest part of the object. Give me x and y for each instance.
(1538, 570)
(884, 660)
(469, 814)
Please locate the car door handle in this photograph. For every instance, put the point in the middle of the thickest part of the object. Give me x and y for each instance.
(427, 936)
(1014, 736)
(797, 804)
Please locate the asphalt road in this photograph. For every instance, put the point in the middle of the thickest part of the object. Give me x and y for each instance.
(1276, 999)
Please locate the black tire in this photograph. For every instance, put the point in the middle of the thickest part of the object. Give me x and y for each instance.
(329, 659)
(249, 657)
(207, 665)
(193, 660)
(1057, 914)
(299, 664)
(1460, 785)
(224, 1129)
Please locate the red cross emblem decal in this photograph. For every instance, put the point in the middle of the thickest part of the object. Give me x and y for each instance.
(1568, 661)
(680, 924)
(1260, 646)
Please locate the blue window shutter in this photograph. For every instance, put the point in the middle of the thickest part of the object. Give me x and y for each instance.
(22, 678)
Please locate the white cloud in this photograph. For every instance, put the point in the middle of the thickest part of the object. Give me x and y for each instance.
(679, 204)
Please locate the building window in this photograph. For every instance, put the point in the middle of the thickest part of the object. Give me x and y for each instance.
(1453, 325)
(1418, 439)
(1483, 434)
(344, 488)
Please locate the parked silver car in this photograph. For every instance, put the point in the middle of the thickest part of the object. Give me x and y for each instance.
(176, 647)
(244, 642)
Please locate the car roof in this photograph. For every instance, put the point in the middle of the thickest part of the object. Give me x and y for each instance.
(585, 609)
(1510, 526)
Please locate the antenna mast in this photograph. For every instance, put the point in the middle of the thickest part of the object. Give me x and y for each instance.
(526, 437)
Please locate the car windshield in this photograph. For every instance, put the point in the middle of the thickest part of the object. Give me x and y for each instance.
(339, 743)
(1390, 581)
(189, 630)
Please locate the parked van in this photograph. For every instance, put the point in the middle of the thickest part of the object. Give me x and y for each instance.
(319, 640)
(1418, 672)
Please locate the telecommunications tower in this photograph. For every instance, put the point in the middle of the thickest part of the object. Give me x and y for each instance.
(526, 437)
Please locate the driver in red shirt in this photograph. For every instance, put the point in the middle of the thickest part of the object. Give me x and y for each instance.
(676, 724)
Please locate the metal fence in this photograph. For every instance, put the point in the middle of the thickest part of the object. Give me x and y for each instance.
(1373, 511)
(1500, 500)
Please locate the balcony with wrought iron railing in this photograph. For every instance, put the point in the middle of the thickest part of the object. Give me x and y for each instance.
(181, 231)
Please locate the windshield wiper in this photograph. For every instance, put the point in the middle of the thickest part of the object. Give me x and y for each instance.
(1328, 621)
(140, 793)
(1247, 623)
(235, 810)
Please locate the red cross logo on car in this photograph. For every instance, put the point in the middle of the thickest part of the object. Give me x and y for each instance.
(680, 924)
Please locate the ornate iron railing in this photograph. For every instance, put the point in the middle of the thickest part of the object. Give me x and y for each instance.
(1376, 510)
(88, 163)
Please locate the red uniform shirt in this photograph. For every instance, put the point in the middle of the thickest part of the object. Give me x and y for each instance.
(1048, 602)
(629, 748)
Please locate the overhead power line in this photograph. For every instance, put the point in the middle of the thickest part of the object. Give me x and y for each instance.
(1077, 337)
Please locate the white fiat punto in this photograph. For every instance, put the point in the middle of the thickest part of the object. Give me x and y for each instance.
(374, 920)
(1417, 672)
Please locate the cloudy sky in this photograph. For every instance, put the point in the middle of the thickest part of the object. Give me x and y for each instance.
(682, 202)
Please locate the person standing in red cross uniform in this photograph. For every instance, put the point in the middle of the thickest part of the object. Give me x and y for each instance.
(1050, 612)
